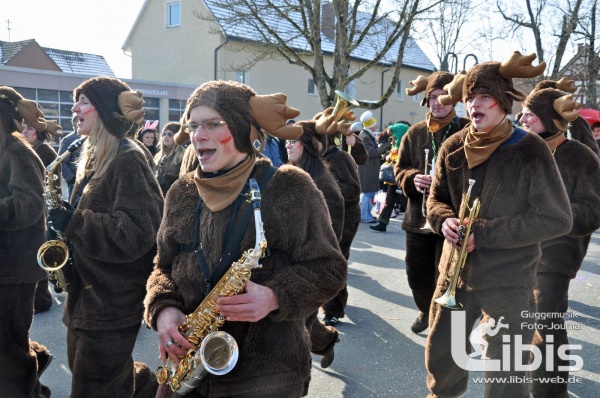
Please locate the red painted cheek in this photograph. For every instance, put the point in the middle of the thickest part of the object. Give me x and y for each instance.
(495, 104)
(89, 111)
(225, 140)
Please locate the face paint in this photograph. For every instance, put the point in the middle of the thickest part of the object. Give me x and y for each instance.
(87, 111)
(226, 139)
(495, 104)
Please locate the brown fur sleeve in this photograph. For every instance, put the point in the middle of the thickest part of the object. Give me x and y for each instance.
(119, 214)
(21, 202)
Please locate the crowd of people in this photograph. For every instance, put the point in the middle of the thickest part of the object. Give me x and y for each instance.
(169, 228)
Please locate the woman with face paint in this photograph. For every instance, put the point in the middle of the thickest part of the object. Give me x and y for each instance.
(303, 269)
(111, 223)
(523, 203)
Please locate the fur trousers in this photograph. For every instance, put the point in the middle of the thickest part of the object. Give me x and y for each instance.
(102, 364)
(18, 354)
(551, 296)
(502, 308)
(423, 252)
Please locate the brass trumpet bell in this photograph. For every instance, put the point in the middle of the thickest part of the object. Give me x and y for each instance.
(343, 102)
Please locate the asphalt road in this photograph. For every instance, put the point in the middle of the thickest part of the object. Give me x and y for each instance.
(378, 355)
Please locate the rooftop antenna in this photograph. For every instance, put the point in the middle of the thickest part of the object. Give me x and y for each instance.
(8, 28)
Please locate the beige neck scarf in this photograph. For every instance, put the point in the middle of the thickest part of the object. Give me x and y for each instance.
(554, 141)
(434, 124)
(220, 191)
(479, 146)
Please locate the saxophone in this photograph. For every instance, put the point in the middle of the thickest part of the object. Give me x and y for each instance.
(160, 177)
(214, 351)
(54, 256)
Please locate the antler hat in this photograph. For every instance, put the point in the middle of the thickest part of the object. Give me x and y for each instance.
(120, 109)
(245, 113)
(436, 80)
(495, 79)
(554, 108)
(14, 108)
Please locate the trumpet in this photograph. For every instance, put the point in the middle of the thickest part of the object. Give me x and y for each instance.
(343, 102)
(448, 300)
(424, 201)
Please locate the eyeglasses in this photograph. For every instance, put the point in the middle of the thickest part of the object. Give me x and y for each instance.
(290, 142)
(207, 125)
(167, 134)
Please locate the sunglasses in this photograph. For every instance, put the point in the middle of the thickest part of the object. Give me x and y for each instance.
(167, 134)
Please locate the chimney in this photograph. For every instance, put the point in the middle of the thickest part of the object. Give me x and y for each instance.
(327, 20)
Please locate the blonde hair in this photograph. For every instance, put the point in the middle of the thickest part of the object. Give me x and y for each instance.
(176, 151)
(99, 150)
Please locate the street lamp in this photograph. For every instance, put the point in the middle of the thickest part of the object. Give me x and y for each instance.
(444, 65)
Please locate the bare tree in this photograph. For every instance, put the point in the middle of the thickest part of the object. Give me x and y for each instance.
(295, 30)
(539, 20)
(444, 29)
(588, 68)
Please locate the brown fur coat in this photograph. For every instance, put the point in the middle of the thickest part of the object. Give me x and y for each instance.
(113, 234)
(334, 200)
(22, 221)
(523, 203)
(345, 172)
(580, 172)
(411, 161)
(304, 269)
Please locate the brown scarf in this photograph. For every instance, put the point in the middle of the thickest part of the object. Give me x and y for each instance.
(221, 191)
(434, 124)
(480, 145)
(554, 141)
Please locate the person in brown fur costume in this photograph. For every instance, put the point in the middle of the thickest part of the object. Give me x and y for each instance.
(547, 112)
(518, 211)
(580, 129)
(22, 226)
(343, 165)
(304, 267)
(423, 246)
(38, 141)
(112, 229)
(306, 152)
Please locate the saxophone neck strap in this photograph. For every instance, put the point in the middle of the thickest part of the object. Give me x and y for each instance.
(233, 237)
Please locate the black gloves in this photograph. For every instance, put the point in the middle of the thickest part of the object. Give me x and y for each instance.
(58, 219)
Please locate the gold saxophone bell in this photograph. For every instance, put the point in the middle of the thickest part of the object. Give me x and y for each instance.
(52, 257)
(448, 300)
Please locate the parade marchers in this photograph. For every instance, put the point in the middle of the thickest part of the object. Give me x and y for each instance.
(303, 267)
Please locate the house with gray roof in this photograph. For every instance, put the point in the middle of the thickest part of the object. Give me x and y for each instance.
(169, 42)
(29, 54)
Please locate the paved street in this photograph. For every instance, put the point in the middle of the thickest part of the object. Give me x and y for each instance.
(378, 355)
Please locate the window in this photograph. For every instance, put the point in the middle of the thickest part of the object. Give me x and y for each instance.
(176, 109)
(400, 91)
(151, 109)
(416, 98)
(173, 14)
(241, 76)
(312, 87)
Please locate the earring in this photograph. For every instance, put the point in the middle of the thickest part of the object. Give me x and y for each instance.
(256, 144)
